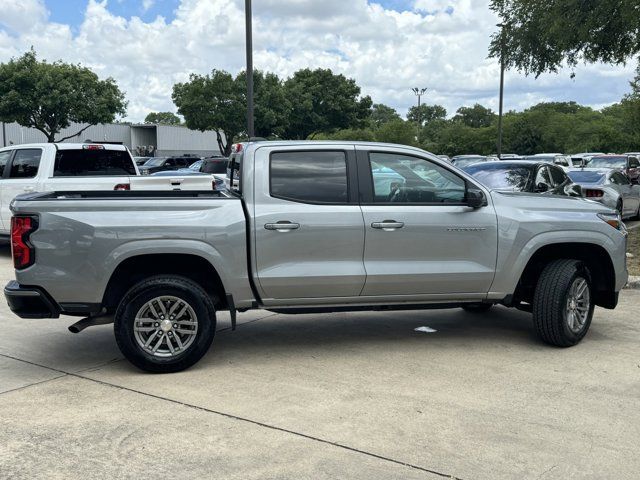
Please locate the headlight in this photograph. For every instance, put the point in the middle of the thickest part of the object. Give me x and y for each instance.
(615, 220)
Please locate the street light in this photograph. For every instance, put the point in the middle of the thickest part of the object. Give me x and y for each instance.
(249, 35)
(501, 90)
(419, 92)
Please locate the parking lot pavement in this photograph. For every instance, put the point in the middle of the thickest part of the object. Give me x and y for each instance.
(344, 395)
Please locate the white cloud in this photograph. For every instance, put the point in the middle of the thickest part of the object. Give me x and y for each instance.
(441, 45)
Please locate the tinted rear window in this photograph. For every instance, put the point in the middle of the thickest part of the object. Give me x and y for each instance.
(214, 166)
(502, 176)
(316, 177)
(78, 163)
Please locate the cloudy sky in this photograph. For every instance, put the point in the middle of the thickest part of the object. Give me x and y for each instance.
(388, 46)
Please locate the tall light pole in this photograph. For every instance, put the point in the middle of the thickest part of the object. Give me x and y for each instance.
(501, 90)
(419, 92)
(249, 34)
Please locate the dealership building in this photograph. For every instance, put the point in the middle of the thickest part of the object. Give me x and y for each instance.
(142, 139)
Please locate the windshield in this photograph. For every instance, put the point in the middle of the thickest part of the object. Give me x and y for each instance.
(154, 162)
(610, 162)
(465, 162)
(501, 176)
(85, 162)
(586, 177)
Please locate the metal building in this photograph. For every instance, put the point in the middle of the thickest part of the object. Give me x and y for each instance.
(161, 140)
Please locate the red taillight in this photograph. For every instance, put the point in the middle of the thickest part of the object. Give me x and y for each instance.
(213, 184)
(590, 193)
(236, 148)
(122, 187)
(22, 251)
(93, 147)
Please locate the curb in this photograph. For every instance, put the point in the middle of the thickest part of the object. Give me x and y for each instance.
(633, 283)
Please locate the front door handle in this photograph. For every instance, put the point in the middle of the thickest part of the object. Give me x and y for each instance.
(282, 226)
(387, 225)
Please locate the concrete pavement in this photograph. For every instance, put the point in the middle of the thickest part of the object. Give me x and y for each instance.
(344, 395)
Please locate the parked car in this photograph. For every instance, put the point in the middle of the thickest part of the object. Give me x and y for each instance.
(524, 176)
(462, 161)
(302, 232)
(582, 159)
(627, 164)
(141, 160)
(508, 156)
(166, 163)
(611, 188)
(45, 167)
(563, 161)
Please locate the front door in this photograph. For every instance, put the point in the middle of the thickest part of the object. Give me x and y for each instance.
(421, 238)
(309, 233)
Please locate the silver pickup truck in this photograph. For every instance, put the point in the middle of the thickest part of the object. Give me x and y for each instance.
(311, 227)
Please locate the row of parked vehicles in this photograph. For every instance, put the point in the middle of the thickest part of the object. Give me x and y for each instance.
(610, 179)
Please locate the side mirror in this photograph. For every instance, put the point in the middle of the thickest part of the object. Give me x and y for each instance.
(476, 198)
(541, 188)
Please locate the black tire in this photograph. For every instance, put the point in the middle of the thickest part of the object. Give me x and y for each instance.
(477, 307)
(551, 301)
(158, 286)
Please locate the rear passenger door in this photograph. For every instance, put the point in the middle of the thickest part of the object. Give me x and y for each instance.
(19, 176)
(422, 240)
(308, 227)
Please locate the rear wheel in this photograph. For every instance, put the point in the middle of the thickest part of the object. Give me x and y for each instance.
(477, 307)
(562, 303)
(165, 324)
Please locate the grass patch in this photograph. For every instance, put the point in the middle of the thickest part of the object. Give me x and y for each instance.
(633, 247)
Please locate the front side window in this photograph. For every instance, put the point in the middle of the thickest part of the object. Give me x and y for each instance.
(404, 179)
(309, 177)
(88, 162)
(25, 163)
(634, 162)
(4, 159)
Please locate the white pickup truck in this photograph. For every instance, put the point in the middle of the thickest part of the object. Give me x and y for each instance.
(47, 167)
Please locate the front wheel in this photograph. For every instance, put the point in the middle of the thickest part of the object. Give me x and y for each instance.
(563, 303)
(165, 324)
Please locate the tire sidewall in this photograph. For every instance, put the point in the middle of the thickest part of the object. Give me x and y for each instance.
(156, 287)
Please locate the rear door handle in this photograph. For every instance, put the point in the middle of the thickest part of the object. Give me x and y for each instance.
(282, 226)
(387, 225)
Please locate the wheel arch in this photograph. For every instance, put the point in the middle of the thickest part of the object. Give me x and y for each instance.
(136, 268)
(594, 256)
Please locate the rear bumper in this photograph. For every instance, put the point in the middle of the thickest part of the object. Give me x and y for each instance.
(30, 302)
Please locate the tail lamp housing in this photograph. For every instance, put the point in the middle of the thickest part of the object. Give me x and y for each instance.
(22, 251)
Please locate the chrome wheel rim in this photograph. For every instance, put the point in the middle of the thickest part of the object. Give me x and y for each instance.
(578, 305)
(165, 326)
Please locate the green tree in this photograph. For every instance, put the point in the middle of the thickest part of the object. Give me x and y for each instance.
(381, 114)
(213, 102)
(50, 96)
(349, 134)
(540, 35)
(426, 113)
(162, 118)
(397, 131)
(272, 107)
(475, 117)
(322, 101)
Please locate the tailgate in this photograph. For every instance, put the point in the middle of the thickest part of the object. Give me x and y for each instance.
(173, 182)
